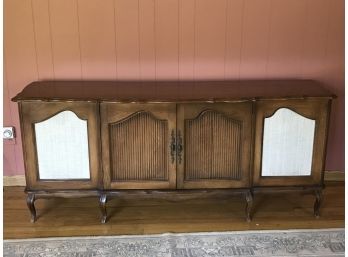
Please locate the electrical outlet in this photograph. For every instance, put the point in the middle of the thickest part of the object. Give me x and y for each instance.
(8, 133)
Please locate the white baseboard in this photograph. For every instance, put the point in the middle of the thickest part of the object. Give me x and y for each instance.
(19, 180)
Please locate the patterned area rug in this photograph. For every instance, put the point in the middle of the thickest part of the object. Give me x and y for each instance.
(324, 242)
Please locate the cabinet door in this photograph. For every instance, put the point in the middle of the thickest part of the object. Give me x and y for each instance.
(290, 140)
(136, 141)
(215, 142)
(61, 144)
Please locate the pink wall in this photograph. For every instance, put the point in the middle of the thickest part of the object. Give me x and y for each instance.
(173, 39)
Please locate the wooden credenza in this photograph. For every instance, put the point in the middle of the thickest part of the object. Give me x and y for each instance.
(103, 139)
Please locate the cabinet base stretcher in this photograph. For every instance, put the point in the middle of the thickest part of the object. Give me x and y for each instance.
(104, 196)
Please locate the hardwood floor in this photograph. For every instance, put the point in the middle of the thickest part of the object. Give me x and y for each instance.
(130, 215)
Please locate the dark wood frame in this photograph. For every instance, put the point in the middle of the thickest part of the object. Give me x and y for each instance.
(315, 109)
(33, 112)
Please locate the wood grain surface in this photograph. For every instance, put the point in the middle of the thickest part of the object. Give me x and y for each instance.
(139, 148)
(216, 145)
(172, 91)
(135, 145)
(140, 215)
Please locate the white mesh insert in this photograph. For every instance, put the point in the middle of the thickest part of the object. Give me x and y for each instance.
(287, 144)
(62, 147)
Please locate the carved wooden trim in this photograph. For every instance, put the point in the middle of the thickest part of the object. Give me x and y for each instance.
(102, 207)
(207, 111)
(59, 112)
(318, 200)
(249, 198)
(290, 109)
(134, 115)
(31, 206)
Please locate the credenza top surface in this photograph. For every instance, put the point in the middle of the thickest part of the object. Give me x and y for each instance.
(171, 91)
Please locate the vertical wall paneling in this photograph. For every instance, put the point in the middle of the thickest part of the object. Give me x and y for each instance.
(288, 22)
(166, 16)
(147, 39)
(9, 161)
(255, 39)
(20, 64)
(127, 39)
(171, 40)
(97, 49)
(186, 39)
(19, 45)
(65, 39)
(9, 157)
(334, 63)
(210, 22)
(43, 40)
(235, 12)
(315, 39)
(8, 116)
(334, 73)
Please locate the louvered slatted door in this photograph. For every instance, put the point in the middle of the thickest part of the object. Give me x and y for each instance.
(136, 142)
(216, 142)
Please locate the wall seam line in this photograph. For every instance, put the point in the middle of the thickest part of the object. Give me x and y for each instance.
(327, 36)
(178, 69)
(51, 38)
(305, 30)
(226, 22)
(35, 41)
(115, 37)
(139, 54)
(194, 39)
(269, 37)
(11, 113)
(154, 38)
(241, 39)
(79, 36)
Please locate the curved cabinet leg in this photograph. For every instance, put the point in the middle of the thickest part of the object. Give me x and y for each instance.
(317, 203)
(248, 209)
(31, 206)
(102, 205)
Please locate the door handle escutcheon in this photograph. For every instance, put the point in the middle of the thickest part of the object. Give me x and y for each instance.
(173, 147)
(179, 147)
